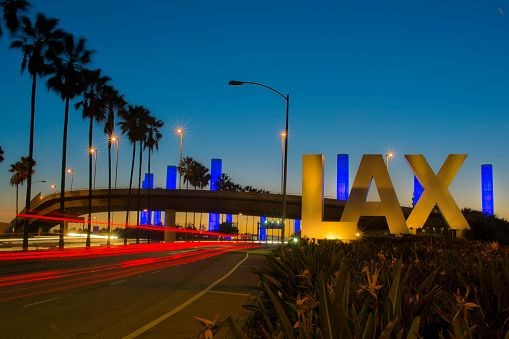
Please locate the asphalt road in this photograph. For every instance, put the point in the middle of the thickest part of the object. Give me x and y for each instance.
(145, 295)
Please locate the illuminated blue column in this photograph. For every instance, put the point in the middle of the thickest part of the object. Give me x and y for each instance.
(342, 177)
(296, 226)
(262, 235)
(229, 218)
(157, 218)
(148, 182)
(171, 177)
(215, 177)
(487, 189)
(171, 184)
(418, 189)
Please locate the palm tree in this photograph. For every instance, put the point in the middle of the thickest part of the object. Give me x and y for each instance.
(93, 108)
(1, 154)
(35, 42)
(152, 140)
(19, 172)
(114, 102)
(68, 82)
(144, 120)
(133, 123)
(226, 183)
(11, 10)
(185, 169)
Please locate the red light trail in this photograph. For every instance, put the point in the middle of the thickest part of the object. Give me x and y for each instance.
(55, 217)
(20, 286)
(114, 250)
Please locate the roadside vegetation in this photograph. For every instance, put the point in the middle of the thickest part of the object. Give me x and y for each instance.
(411, 287)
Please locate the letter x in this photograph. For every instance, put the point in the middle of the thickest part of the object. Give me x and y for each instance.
(436, 191)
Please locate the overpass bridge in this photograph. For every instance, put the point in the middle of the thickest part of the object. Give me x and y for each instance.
(180, 200)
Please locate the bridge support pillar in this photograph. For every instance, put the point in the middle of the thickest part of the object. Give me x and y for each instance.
(170, 221)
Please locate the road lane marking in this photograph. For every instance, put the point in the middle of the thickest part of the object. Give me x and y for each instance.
(117, 282)
(231, 293)
(153, 272)
(186, 303)
(41, 302)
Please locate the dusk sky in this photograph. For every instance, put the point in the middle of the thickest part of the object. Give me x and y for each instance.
(364, 77)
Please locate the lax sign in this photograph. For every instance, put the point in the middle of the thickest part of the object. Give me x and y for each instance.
(371, 167)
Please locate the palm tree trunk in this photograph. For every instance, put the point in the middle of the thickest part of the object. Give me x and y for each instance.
(109, 190)
(62, 175)
(89, 222)
(30, 160)
(17, 209)
(150, 184)
(194, 214)
(139, 194)
(185, 219)
(129, 194)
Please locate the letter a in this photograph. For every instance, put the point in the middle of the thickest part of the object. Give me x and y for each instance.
(372, 166)
(436, 191)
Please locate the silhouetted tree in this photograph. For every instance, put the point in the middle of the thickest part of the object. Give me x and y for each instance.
(226, 184)
(134, 123)
(185, 169)
(1, 154)
(36, 41)
(67, 80)
(93, 108)
(11, 10)
(19, 172)
(228, 228)
(114, 103)
(152, 141)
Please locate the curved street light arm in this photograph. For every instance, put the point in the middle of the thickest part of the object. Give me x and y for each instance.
(236, 83)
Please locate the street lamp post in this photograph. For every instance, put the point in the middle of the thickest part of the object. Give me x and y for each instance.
(116, 141)
(283, 137)
(285, 165)
(180, 132)
(93, 151)
(70, 171)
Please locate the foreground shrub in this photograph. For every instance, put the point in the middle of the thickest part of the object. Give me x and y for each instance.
(383, 288)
